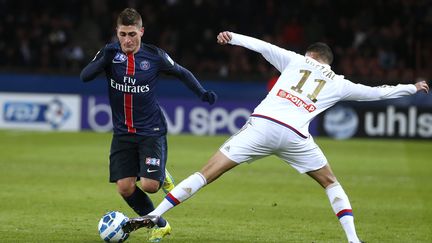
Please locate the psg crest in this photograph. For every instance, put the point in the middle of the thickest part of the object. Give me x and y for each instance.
(144, 65)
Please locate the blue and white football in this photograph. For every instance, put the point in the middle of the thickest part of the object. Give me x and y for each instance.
(110, 227)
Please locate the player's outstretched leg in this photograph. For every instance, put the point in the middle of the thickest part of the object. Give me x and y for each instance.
(338, 200)
(147, 221)
(342, 208)
(168, 183)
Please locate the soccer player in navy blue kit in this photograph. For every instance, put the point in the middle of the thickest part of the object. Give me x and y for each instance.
(139, 145)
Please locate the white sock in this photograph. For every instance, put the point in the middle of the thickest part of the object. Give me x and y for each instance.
(342, 208)
(180, 193)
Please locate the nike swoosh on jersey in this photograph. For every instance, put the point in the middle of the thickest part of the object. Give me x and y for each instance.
(150, 171)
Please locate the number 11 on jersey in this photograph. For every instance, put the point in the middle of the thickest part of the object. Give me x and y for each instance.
(298, 87)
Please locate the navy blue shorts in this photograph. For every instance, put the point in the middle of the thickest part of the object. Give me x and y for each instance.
(138, 156)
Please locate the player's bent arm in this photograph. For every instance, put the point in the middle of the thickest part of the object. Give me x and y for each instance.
(188, 79)
(192, 83)
(360, 92)
(100, 62)
(277, 56)
(94, 68)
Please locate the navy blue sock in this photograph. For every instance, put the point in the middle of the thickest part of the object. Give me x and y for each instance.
(142, 205)
(139, 202)
(162, 222)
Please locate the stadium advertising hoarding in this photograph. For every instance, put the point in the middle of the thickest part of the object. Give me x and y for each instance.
(190, 116)
(62, 112)
(24, 104)
(389, 120)
(182, 115)
(392, 119)
(40, 111)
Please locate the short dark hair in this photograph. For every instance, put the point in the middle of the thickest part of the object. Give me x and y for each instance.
(323, 50)
(129, 16)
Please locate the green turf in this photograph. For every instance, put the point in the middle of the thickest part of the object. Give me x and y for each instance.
(54, 188)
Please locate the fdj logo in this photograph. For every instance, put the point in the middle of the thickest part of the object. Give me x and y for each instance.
(54, 112)
(23, 112)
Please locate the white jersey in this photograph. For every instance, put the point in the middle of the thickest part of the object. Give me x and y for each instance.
(306, 87)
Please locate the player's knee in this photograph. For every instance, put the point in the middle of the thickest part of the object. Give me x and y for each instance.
(150, 186)
(125, 189)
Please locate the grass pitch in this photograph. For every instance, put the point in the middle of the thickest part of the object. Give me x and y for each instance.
(54, 188)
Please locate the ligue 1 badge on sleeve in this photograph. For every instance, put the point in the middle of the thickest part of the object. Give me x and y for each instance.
(119, 58)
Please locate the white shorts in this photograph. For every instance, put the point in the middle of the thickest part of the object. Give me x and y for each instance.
(260, 137)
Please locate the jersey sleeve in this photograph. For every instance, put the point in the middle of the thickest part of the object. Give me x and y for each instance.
(168, 66)
(360, 92)
(100, 62)
(275, 55)
(94, 68)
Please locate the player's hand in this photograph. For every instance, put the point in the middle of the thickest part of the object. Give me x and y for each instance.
(224, 37)
(209, 97)
(422, 86)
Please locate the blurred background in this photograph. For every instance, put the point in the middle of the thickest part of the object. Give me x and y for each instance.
(45, 44)
(386, 40)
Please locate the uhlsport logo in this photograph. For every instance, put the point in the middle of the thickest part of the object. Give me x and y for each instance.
(55, 113)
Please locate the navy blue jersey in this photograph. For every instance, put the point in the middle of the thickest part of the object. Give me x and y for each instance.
(132, 81)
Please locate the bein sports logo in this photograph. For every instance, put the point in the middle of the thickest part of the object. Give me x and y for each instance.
(55, 113)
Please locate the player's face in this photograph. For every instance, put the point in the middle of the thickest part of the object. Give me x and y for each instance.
(130, 37)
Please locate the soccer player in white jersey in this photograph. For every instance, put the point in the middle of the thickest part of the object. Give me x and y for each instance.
(279, 125)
